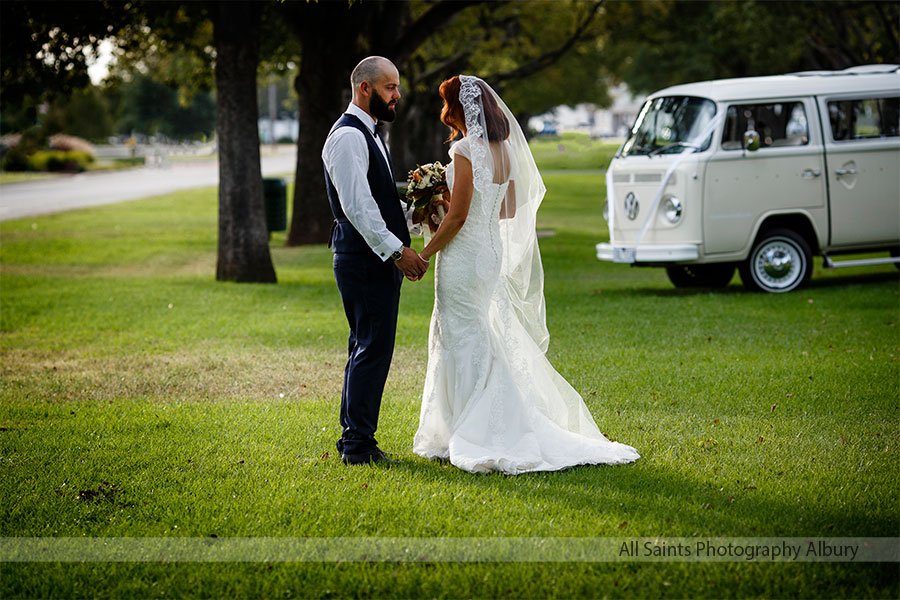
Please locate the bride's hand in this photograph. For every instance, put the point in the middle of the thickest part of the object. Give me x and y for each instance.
(433, 221)
(434, 217)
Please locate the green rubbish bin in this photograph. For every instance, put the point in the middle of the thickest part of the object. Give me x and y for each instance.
(275, 193)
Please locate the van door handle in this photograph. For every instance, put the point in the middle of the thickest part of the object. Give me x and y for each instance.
(842, 172)
(810, 173)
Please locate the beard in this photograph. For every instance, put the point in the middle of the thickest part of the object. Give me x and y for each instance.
(379, 109)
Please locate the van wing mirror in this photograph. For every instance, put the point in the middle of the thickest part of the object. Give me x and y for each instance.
(751, 140)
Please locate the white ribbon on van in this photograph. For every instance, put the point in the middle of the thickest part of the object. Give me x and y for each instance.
(627, 255)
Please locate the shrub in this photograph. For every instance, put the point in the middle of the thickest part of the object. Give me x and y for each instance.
(39, 161)
(15, 159)
(73, 161)
(85, 158)
(55, 161)
(20, 147)
(69, 143)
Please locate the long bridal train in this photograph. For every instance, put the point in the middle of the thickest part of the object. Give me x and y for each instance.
(492, 400)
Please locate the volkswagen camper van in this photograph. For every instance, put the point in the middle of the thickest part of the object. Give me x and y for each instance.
(760, 174)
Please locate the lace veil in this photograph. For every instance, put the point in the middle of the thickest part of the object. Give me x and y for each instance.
(496, 161)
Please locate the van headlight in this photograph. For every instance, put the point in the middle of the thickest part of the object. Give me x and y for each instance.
(606, 211)
(672, 209)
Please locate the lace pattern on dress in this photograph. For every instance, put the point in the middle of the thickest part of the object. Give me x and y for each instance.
(469, 94)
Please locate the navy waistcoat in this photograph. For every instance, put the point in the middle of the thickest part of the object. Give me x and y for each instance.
(344, 237)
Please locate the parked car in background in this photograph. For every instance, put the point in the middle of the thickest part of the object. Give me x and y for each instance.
(760, 174)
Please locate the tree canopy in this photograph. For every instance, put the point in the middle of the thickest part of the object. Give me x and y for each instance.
(658, 43)
(46, 46)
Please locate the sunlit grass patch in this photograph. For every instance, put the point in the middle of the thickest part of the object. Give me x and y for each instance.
(572, 151)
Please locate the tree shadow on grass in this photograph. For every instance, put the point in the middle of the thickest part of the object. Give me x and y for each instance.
(647, 499)
(736, 289)
(673, 292)
(833, 281)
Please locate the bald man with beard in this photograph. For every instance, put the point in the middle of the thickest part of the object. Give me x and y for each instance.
(370, 240)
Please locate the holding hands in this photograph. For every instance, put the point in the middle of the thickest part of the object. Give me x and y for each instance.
(411, 264)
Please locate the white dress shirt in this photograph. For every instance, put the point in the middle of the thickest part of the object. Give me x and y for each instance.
(346, 158)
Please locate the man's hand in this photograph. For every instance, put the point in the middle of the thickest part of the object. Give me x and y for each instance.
(411, 265)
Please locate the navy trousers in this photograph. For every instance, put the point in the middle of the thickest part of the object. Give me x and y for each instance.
(370, 290)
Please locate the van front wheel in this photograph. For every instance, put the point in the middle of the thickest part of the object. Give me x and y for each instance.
(780, 261)
(701, 276)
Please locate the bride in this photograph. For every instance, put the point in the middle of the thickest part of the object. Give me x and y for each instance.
(492, 401)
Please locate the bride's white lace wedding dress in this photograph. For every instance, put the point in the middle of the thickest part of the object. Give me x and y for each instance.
(492, 401)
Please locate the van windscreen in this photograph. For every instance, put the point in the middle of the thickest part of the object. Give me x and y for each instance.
(669, 125)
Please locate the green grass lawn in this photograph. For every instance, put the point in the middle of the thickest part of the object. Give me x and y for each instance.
(205, 408)
(20, 176)
(572, 151)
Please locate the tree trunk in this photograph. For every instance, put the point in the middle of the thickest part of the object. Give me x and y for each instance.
(335, 35)
(523, 118)
(243, 235)
(329, 33)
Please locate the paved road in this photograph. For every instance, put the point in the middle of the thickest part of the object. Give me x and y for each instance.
(27, 199)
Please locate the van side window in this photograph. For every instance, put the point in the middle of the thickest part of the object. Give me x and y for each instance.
(864, 118)
(778, 124)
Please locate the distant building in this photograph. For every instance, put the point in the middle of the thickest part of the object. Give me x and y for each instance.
(283, 129)
(616, 121)
(612, 122)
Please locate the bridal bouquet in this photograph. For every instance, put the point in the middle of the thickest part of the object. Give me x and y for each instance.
(425, 183)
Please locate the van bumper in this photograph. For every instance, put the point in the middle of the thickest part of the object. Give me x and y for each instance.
(648, 253)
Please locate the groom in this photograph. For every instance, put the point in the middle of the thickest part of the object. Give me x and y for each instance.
(370, 241)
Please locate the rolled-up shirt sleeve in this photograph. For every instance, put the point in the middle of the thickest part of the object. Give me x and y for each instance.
(346, 159)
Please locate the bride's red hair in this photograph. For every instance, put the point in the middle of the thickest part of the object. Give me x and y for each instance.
(452, 114)
(454, 117)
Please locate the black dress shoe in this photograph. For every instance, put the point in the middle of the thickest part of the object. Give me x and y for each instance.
(370, 457)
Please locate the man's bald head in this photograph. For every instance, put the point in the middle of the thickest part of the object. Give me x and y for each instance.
(371, 69)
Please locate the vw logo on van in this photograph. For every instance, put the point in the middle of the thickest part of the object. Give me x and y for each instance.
(632, 206)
